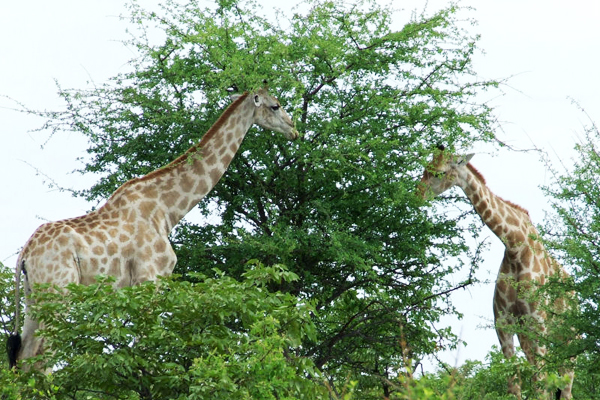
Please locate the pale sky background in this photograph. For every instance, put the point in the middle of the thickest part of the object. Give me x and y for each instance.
(551, 48)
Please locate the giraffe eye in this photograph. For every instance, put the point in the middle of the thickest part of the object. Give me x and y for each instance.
(275, 108)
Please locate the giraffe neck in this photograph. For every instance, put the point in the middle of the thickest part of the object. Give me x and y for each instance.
(509, 222)
(166, 195)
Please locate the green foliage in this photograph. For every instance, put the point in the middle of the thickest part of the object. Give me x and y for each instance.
(217, 338)
(573, 234)
(474, 380)
(338, 206)
(7, 298)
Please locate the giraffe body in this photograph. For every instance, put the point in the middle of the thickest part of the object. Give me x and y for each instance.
(127, 237)
(525, 264)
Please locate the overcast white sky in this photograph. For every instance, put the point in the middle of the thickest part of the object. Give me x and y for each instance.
(551, 48)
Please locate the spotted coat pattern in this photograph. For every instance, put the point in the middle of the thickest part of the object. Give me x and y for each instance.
(127, 238)
(525, 264)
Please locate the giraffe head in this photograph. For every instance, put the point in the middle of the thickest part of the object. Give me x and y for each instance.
(269, 114)
(443, 172)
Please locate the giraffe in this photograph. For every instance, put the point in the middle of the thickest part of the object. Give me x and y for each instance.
(128, 236)
(525, 264)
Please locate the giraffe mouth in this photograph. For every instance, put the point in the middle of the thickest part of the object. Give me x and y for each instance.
(293, 134)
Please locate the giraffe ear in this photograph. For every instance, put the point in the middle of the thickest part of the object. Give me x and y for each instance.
(257, 100)
(463, 160)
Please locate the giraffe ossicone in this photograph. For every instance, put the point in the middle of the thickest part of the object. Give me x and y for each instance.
(526, 263)
(128, 236)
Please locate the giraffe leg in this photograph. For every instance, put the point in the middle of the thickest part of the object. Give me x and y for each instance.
(566, 392)
(505, 322)
(533, 352)
(535, 355)
(31, 345)
(507, 344)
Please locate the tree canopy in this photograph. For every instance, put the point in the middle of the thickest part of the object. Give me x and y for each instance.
(338, 208)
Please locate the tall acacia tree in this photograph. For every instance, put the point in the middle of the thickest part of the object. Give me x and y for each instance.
(338, 207)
